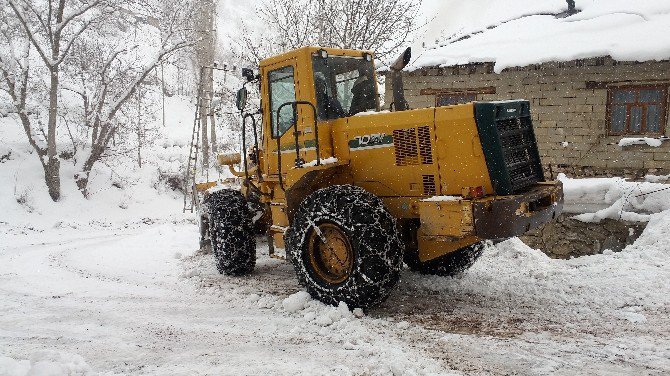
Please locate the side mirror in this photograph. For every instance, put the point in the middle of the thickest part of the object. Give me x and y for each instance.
(248, 74)
(242, 95)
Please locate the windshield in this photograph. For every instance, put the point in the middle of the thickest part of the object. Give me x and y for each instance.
(344, 86)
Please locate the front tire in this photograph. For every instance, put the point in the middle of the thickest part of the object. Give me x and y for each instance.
(344, 247)
(231, 233)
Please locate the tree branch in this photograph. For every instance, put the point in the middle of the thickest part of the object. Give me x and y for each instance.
(30, 34)
(67, 19)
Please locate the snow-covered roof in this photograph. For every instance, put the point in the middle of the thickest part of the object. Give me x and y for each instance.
(524, 32)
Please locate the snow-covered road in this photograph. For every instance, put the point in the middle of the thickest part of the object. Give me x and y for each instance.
(121, 300)
(136, 299)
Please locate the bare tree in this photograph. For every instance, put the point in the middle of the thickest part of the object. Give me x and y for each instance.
(52, 28)
(15, 67)
(96, 63)
(109, 78)
(382, 26)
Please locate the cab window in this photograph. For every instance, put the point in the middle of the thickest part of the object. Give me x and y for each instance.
(282, 90)
(344, 86)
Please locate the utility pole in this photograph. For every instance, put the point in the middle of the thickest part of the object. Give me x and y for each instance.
(163, 90)
(205, 58)
(139, 126)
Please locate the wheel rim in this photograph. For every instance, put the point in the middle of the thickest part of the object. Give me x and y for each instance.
(330, 253)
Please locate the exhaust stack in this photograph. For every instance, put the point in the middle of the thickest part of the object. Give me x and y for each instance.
(399, 101)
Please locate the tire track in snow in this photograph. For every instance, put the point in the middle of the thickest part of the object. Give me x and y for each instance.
(167, 326)
(460, 324)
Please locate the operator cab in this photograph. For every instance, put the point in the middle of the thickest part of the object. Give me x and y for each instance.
(305, 92)
(344, 85)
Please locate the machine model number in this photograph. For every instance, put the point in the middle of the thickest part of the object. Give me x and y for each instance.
(371, 141)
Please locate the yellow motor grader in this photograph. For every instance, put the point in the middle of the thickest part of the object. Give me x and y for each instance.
(352, 192)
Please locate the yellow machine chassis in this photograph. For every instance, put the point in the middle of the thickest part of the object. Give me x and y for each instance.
(365, 152)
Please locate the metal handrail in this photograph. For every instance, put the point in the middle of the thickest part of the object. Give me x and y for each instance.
(298, 161)
(244, 143)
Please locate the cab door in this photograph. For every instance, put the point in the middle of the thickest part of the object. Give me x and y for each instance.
(281, 87)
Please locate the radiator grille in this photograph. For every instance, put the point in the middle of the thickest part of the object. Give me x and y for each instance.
(425, 146)
(518, 143)
(406, 152)
(429, 188)
(508, 141)
(413, 146)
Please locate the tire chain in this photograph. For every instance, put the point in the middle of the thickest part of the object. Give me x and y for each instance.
(373, 235)
(231, 232)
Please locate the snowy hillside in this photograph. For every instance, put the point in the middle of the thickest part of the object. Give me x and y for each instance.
(120, 189)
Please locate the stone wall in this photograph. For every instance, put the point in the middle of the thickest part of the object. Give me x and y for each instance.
(567, 237)
(569, 107)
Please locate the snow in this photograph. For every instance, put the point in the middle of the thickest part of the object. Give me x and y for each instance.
(120, 189)
(653, 142)
(325, 161)
(118, 298)
(614, 198)
(99, 289)
(373, 112)
(45, 363)
(657, 178)
(115, 299)
(296, 302)
(443, 198)
(527, 32)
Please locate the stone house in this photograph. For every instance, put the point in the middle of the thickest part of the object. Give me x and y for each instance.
(605, 113)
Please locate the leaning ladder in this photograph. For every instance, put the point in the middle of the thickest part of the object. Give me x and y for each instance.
(190, 192)
(192, 163)
(204, 100)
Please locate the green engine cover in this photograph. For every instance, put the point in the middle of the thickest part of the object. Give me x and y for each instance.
(509, 144)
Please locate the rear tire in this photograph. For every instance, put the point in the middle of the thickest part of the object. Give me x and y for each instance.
(231, 232)
(345, 247)
(449, 265)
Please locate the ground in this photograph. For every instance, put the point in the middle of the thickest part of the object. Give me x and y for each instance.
(135, 297)
(115, 285)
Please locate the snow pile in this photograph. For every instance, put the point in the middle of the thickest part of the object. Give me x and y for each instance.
(296, 302)
(653, 142)
(614, 198)
(521, 33)
(363, 341)
(627, 284)
(657, 178)
(45, 363)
